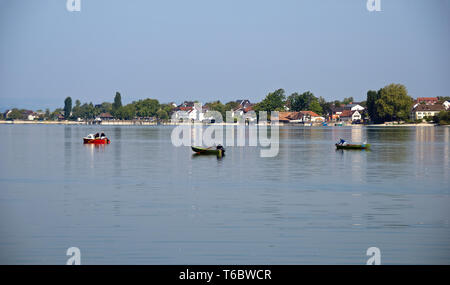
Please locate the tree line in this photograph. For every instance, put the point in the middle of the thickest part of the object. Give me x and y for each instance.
(145, 108)
(390, 103)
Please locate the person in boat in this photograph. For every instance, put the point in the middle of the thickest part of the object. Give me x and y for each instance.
(342, 142)
(97, 135)
(220, 147)
(102, 136)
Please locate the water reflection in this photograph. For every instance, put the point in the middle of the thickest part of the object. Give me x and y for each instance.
(427, 155)
(67, 195)
(117, 145)
(207, 155)
(67, 148)
(357, 134)
(446, 151)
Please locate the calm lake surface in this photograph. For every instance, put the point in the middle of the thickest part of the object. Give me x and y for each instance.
(141, 200)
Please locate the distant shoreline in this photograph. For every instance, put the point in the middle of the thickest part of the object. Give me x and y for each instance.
(144, 123)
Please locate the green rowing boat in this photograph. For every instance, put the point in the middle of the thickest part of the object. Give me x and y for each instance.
(201, 150)
(353, 146)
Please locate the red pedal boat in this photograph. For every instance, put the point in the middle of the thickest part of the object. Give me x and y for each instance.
(91, 139)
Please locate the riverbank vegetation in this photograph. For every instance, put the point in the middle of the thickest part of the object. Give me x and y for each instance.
(443, 118)
(390, 103)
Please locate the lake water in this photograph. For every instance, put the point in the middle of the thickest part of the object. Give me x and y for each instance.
(141, 200)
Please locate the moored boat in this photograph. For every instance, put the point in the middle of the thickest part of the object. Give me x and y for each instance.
(96, 139)
(353, 146)
(219, 150)
(342, 144)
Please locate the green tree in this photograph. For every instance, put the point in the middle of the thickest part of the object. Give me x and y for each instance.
(442, 99)
(168, 108)
(146, 108)
(162, 114)
(86, 111)
(391, 103)
(76, 110)
(47, 114)
(394, 103)
(17, 114)
(296, 102)
(127, 112)
(348, 100)
(117, 103)
(315, 107)
(326, 106)
(105, 107)
(55, 113)
(273, 102)
(231, 105)
(67, 108)
(217, 106)
(442, 118)
(372, 97)
(304, 102)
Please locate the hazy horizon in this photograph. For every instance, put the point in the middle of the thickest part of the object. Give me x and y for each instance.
(227, 50)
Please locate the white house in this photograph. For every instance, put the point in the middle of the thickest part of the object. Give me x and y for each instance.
(356, 115)
(349, 115)
(421, 111)
(357, 108)
(195, 114)
(446, 105)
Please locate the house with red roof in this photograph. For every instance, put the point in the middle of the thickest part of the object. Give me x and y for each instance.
(427, 100)
(421, 111)
(350, 116)
(299, 117)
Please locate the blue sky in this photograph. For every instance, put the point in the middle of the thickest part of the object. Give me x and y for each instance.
(205, 50)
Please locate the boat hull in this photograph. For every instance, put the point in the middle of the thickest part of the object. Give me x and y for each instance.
(201, 150)
(353, 146)
(96, 141)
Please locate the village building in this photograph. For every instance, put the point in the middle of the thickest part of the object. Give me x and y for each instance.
(427, 100)
(195, 113)
(352, 112)
(289, 117)
(187, 104)
(241, 111)
(350, 116)
(244, 107)
(358, 108)
(299, 117)
(105, 116)
(446, 105)
(244, 103)
(421, 111)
